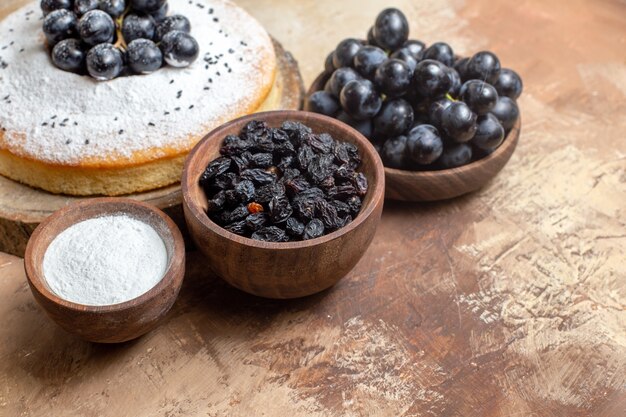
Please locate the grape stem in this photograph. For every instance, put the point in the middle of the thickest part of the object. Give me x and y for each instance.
(121, 42)
(449, 97)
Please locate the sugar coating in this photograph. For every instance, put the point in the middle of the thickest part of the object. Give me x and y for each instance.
(106, 260)
(63, 118)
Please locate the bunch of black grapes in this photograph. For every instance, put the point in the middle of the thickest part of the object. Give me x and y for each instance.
(424, 108)
(109, 38)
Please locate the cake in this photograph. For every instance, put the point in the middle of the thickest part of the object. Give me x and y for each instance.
(70, 134)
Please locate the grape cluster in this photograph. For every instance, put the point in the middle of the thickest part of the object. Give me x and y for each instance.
(110, 38)
(423, 108)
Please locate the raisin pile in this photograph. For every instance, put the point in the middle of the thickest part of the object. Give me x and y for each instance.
(283, 184)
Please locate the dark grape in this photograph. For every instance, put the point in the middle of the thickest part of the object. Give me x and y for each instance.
(339, 79)
(435, 111)
(459, 122)
(138, 27)
(96, 27)
(415, 48)
(393, 152)
(393, 78)
(58, 25)
(440, 51)
(329, 67)
(172, 23)
(431, 79)
(104, 62)
(391, 29)
(394, 118)
(509, 84)
(368, 59)
(48, 6)
(322, 102)
(424, 145)
(179, 49)
(68, 55)
(160, 14)
(489, 134)
(83, 6)
(364, 127)
(460, 65)
(144, 56)
(456, 155)
(147, 6)
(403, 54)
(360, 99)
(345, 52)
(479, 96)
(506, 111)
(115, 8)
(484, 66)
(455, 81)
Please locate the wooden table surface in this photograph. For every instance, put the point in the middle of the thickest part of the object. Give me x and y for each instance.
(507, 302)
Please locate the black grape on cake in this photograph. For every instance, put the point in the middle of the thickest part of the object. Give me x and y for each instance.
(106, 39)
(422, 106)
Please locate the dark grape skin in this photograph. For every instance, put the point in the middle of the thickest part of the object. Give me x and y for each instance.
(104, 62)
(322, 102)
(394, 118)
(440, 51)
(114, 8)
(370, 38)
(509, 84)
(459, 122)
(179, 49)
(435, 111)
(48, 6)
(345, 52)
(393, 152)
(483, 66)
(96, 27)
(69, 55)
(144, 56)
(479, 96)
(83, 6)
(431, 79)
(364, 127)
(391, 29)
(171, 23)
(424, 145)
(489, 134)
(393, 78)
(160, 14)
(368, 59)
(455, 155)
(147, 6)
(329, 67)
(403, 54)
(506, 111)
(339, 79)
(58, 25)
(415, 48)
(360, 99)
(460, 65)
(138, 27)
(455, 81)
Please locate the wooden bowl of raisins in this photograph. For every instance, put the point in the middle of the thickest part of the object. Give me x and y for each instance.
(283, 204)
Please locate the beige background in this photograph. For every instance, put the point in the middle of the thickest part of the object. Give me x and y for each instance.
(507, 302)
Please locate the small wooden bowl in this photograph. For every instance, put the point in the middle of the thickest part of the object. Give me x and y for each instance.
(417, 186)
(290, 269)
(118, 322)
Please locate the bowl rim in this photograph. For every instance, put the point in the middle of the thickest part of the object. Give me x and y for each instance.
(514, 132)
(173, 275)
(377, 188)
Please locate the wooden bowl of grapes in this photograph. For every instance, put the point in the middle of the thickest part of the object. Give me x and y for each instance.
(283, 204)
(435, 181)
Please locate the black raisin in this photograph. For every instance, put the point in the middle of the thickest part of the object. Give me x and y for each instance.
(360, 184)
(256, 221)
(294, 227)
(238, 214)
(261, 160)
(216, 203)
(215, 168)
(322, 143)
(342, 192)
(296, 186)
(320, 168)
(343, 209)
(265, 193)
(305, 156)
(245, 191)
(328, 214)
(280, 209)
(270, 234)
(236, 147)
(355, 205)
(313, 229)
(290, 174)
(258, 176)
(285, 163)
(255, 129)
(237, 227)
(225, 181)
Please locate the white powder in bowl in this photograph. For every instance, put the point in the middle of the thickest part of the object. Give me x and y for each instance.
(105, 260)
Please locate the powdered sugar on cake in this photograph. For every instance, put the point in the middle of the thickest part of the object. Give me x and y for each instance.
(59, 117)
